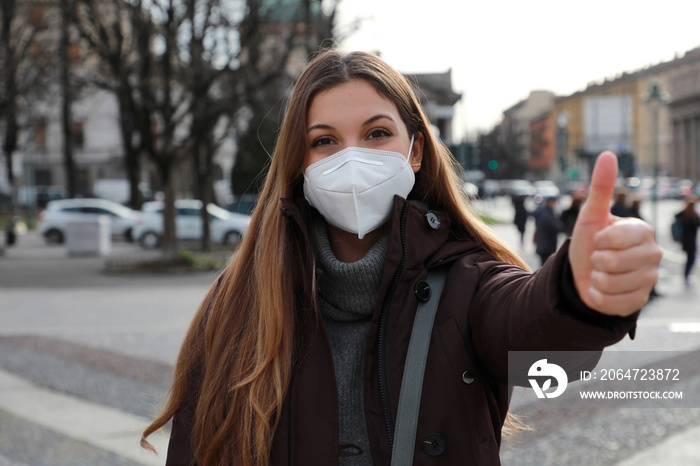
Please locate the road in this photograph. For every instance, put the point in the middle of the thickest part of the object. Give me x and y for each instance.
(86, 358)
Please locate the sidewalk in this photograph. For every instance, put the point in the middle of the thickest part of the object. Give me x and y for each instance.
(103, 427)
(681, 449)
(78, 401)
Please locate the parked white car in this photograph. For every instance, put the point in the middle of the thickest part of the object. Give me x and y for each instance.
(545, 189)
(225, 227)
(53, 221)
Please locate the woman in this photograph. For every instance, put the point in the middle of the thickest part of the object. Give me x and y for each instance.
(690, 220)
(296, 354)
(569, 215)
(547, 229)
(636, 208)
(521, 215)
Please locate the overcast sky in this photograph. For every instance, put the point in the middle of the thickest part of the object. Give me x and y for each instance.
(501, 50)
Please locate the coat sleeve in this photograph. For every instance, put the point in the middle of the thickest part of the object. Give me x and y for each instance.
(515, 310)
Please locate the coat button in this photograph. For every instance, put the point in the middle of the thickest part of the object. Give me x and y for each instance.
(468, 377)
(422, 291)
(433, 220)
(434, 444)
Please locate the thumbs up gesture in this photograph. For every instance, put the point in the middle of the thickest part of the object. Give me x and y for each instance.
(614, 260)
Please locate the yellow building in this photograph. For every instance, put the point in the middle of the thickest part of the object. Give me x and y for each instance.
(621, 102)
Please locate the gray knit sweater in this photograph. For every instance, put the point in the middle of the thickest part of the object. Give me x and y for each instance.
(347, 295)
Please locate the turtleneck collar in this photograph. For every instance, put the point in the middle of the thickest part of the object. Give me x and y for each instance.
(348, 291)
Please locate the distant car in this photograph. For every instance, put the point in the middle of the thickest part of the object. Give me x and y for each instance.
(518, 188)
(489, 189)
(545, 189)
(680, 189)
(53, 221)
(648, 185)
(226, 227)
(575, 188)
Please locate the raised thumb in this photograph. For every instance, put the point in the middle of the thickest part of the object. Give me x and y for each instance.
(602, 187)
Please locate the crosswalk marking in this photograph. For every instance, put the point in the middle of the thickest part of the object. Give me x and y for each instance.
(101, 426)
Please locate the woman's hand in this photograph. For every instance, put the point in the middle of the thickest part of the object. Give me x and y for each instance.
(614, 260)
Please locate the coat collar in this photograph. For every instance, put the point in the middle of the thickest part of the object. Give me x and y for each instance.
(427, 242)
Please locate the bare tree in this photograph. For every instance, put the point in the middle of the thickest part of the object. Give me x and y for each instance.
(113, 30)
(265, 75)
(25, 61)
(67, 93)
(136, 42)
(188, 71)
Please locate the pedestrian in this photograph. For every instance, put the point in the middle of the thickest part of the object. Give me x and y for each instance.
(521, 216)
(689, 219)
(635, 207)
(295, 354)
(619, 208)
(569, 215)
(547, 229)
(11, 231)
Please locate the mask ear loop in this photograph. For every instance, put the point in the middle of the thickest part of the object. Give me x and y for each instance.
(410, 149)
(410, 146)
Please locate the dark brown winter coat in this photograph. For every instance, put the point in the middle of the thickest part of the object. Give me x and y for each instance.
(487, 309)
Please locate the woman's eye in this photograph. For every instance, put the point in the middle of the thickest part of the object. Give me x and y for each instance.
(323, 141)
(379, 133)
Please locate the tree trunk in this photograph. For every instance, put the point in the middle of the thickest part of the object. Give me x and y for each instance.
(170, 243)
(204, 182)
(68, 162)
(10, 106)
(9, 147)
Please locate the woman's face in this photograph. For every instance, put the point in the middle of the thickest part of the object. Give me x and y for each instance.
(354, 114)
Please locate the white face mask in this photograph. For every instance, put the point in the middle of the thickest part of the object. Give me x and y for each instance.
(354, 189)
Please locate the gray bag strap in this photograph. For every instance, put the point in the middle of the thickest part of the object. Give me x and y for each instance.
(414, 369)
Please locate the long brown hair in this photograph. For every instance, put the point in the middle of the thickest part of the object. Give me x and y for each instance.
(241, 343)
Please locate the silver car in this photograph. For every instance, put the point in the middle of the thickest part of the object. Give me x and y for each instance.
(225, 227)
(54, 220)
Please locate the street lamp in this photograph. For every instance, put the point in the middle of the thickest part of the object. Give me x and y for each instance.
(656, 97)
(562, 142)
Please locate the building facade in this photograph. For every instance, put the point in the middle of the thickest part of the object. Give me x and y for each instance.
(616, 115)
(560, 137)
(541, 158)
(684, 106)
(650, 134)
(527, 134)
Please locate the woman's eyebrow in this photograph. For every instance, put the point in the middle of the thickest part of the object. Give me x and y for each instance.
(378, 117)
(369, 121)
(319, 126)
